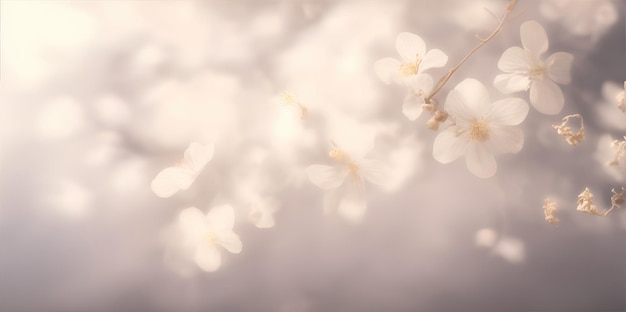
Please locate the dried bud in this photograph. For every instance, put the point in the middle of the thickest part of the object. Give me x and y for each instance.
(432, 124)
(549, 210)
(570, 137)
(585, 203)
(620, 151)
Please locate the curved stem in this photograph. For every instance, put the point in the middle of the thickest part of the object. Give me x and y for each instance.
(442, 82)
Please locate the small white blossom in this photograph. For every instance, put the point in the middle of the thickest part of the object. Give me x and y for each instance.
(415, 60)
(204, 234)
(180, 177)
(345, 182)
(482, 128)
(526, 70)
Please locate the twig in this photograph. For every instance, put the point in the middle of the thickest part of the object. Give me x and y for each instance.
(442, 82)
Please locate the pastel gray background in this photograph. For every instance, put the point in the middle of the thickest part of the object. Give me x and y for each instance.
(83, 131)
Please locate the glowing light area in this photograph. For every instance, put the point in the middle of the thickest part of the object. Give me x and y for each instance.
(70, 199)
(39, 34)
(113, 111)
(60, 118)
(199, 109)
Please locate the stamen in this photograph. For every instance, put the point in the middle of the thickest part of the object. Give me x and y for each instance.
(479, 131)
(409, 69)
(537, 72)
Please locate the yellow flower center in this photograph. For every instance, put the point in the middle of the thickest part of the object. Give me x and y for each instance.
(339, 155)
(211, 238)
(537, 72)
(479, 131)
(344, 158)
(409, 69)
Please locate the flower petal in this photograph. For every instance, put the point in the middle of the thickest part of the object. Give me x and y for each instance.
(373, 171)
(510, 83)
(387, 69)
(412, 106)
(559, 66)
(448, 146)
(170, 180)
(546, 97)
(509, 111)
(455, 106)
(326, 177)
(420, 83)
(433, 59)
(198, 155)
(475, 96)
(506, 139)
(353, 204)
(534, 38)
(221, 218)
(208, 258)
(514, 59)
(480, 162)
(409, 46)
(230, 241)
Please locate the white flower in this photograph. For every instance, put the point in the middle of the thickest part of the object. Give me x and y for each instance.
(481, 128)
(415, 60)
(262, 212)
(179, 177)
(204, 234)
(526, 69)
(344, 182)
(420, 86)
(581, 17)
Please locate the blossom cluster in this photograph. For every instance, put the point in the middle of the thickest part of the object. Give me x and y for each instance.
(472, 123)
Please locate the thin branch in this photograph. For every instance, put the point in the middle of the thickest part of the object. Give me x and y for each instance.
(442, 82)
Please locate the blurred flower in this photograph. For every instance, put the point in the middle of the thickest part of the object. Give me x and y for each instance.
(613, 97)
(620, 151)
(415, 60)
(509, 248)
(486, 237)
(289, 100)
(609, 153)
(419, 86)
(205, 233)
(481, 128)
(345, 182)
(179, 177)
(525, 69)
(262, 212)
(581, 17)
